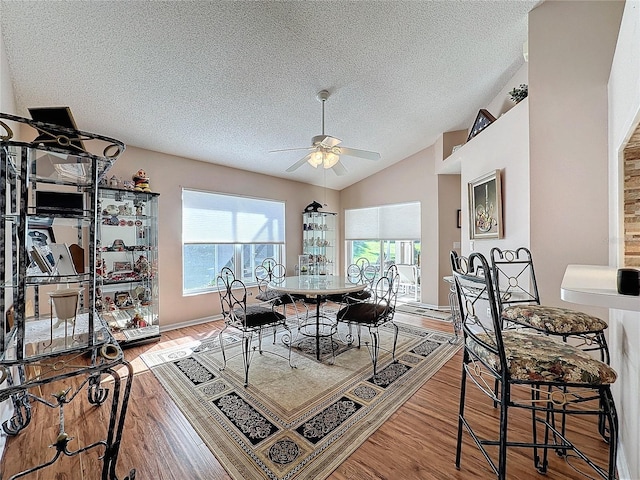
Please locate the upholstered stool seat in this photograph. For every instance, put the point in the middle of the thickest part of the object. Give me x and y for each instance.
(537, 358)
(352, 297)
(553, 320)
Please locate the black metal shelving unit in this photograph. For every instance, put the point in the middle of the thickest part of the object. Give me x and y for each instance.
(48, 251)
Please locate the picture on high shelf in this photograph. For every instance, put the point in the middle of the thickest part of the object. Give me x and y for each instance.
(482, 121)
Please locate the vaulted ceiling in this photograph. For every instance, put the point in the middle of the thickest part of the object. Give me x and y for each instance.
(226, 82)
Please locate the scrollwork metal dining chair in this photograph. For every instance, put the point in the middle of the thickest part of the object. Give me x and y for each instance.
(361, 272)
(250, 320)
(270, 272)
(372, 313)
(533, 372)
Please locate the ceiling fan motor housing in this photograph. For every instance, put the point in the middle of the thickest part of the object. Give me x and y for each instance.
(323, 95)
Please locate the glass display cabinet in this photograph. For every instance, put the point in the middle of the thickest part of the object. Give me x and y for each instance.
(127, 264)
(50, 331)
(319, 242)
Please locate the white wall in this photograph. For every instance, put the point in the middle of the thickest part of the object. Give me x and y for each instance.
(571, 50)
(412, 179)
(448, 237)
(7, 102)
(624, 327)
(571, 46)
(502, 103)
(504, 145)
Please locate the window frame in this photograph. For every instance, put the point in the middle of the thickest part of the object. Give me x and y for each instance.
(239, 255)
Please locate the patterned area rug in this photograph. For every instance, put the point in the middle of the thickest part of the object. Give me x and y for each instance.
(419, 309)
(302, 422)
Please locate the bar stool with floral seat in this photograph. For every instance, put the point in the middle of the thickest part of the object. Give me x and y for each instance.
(525, 369)
(519, 304)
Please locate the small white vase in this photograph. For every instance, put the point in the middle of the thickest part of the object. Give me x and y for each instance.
(65, 302)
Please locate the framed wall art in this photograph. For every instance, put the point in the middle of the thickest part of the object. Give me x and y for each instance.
(485, 206)
(482, 121)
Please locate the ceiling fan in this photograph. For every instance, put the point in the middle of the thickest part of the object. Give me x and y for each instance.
(324, 149)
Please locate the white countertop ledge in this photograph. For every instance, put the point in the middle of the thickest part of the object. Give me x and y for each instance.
(595, 285)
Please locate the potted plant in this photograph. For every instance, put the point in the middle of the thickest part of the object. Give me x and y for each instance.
(519, 93)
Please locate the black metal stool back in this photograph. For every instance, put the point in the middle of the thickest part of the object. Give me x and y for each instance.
(519, 302)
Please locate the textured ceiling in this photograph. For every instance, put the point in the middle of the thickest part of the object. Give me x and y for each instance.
(225, 82)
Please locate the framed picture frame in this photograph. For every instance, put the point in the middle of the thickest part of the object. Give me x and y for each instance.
(459, 218)
(122, 267)
(485, 206)
(123, 300)
(40, 237)
(482, 121)
(62, 261)
(56, 116)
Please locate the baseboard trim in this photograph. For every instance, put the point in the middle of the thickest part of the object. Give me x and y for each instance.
(189, 323)
(430, 306)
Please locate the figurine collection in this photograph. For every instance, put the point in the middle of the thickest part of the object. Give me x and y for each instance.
(139, 182)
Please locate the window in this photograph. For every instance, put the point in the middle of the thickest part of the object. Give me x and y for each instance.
(384, 235)
(221, 230)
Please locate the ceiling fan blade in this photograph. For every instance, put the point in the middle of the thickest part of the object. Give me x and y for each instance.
(339, 169)
(353, 152)
(290, 149)
(299, 163)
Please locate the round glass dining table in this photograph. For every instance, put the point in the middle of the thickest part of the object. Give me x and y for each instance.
(317, 287)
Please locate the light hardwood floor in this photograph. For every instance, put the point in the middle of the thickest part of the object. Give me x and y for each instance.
(417, 442)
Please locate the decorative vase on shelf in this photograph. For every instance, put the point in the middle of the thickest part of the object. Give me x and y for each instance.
(65, 303)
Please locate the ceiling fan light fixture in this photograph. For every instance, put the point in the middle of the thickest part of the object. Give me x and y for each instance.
(330, 159)
(315, 159)
(323, 157)
(324, 149)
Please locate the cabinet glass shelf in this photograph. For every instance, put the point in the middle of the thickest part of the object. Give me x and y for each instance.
(127, 251)
(319, 241)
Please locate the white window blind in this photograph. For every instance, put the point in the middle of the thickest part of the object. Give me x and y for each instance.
(218, 218)
(400, 221)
